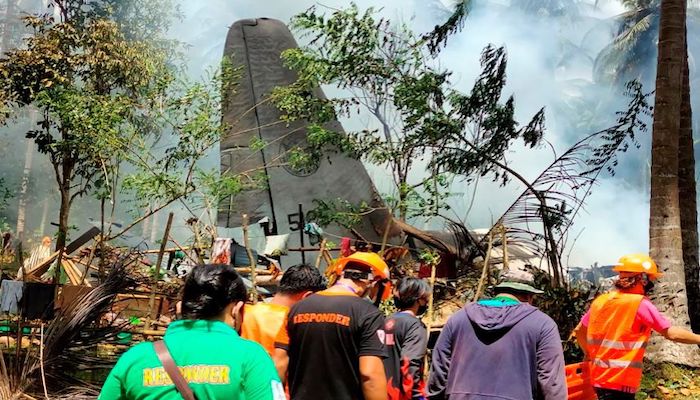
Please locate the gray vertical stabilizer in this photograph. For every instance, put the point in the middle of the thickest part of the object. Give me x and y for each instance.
(256, 45)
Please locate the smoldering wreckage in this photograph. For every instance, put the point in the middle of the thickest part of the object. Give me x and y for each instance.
(67, 313)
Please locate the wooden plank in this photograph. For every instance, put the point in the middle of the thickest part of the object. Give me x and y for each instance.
(42, 266)
(70, 272)
(82, 240)
(76, 273)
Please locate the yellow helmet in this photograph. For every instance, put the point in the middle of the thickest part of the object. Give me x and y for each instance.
(638, 263)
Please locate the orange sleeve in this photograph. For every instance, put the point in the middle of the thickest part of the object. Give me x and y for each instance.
(282, 338)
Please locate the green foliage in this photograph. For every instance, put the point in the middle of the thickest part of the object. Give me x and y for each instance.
(5, 194)
(430, 256)
(338, 212)
(116, 116)
(566, 306)
(441, 33)
(416, 117)
(387, 307)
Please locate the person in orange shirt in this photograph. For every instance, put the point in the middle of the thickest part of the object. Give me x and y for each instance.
(262, 321)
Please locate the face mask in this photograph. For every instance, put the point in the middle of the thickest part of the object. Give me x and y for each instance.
(648, 286)
(422, 309)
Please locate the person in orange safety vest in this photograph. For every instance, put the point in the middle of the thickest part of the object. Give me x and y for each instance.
(262, 321)
(615, 330)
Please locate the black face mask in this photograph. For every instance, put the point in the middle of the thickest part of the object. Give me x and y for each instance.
(422, 309)
(648, 286)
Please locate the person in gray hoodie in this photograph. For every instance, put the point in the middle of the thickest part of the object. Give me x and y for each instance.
(501, 348)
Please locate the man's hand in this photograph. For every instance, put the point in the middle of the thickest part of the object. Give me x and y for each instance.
(373, 378)
(281, 359)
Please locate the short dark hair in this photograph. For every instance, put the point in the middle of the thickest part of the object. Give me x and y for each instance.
(301, 278)
(408, 291)
(209, 289)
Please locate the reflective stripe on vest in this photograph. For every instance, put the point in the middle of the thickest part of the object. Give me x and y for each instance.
(615, 344)
(617, 364)
(618, 344)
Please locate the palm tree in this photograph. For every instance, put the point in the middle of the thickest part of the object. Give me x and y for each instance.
(688, 194)
(665, 234)
(635, 36)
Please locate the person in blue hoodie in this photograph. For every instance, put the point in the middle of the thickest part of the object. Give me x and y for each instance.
(501, 348)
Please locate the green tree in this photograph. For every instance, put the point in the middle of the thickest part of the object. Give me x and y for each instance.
(388, 74)
(115, 116)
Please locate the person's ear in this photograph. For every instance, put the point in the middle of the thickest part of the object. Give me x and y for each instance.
(237, 315)
(237, 308)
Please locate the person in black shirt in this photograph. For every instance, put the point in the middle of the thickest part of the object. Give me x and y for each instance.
(332, 345)
(407, 340)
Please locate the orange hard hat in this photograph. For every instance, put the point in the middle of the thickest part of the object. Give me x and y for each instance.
(372, 261)
(638, 263)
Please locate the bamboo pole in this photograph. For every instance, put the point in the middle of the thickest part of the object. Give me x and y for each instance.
(504, 242)
(197, 243)
(253, 264)
(322, 248)
(385, 237)
(431, 309)
(431, 299)
(170, 250)
(152, 299)
(89, 261)
(484, 271)
(41, 362)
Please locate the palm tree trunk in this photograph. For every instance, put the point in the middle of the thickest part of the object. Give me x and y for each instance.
(665, 236)
(9, 34)
(688, 194)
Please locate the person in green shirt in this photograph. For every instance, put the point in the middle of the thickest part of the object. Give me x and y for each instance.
(216, 362)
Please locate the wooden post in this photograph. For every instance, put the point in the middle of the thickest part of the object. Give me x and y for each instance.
(485, 270)
(253, 264)
(385, 237)
(431, 309)
(198, 243)
(504, 243)
(322, 248)
(302, 224)
(152, 299)
(89, 261)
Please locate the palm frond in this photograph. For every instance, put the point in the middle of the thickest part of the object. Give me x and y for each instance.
(68, 340)
(626, 39)
(75, 328)
(558, 194)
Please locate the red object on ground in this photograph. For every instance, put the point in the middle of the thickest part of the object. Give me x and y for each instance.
(578, 382)
(345, 247)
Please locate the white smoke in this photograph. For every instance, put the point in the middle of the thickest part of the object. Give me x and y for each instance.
(550, 59)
